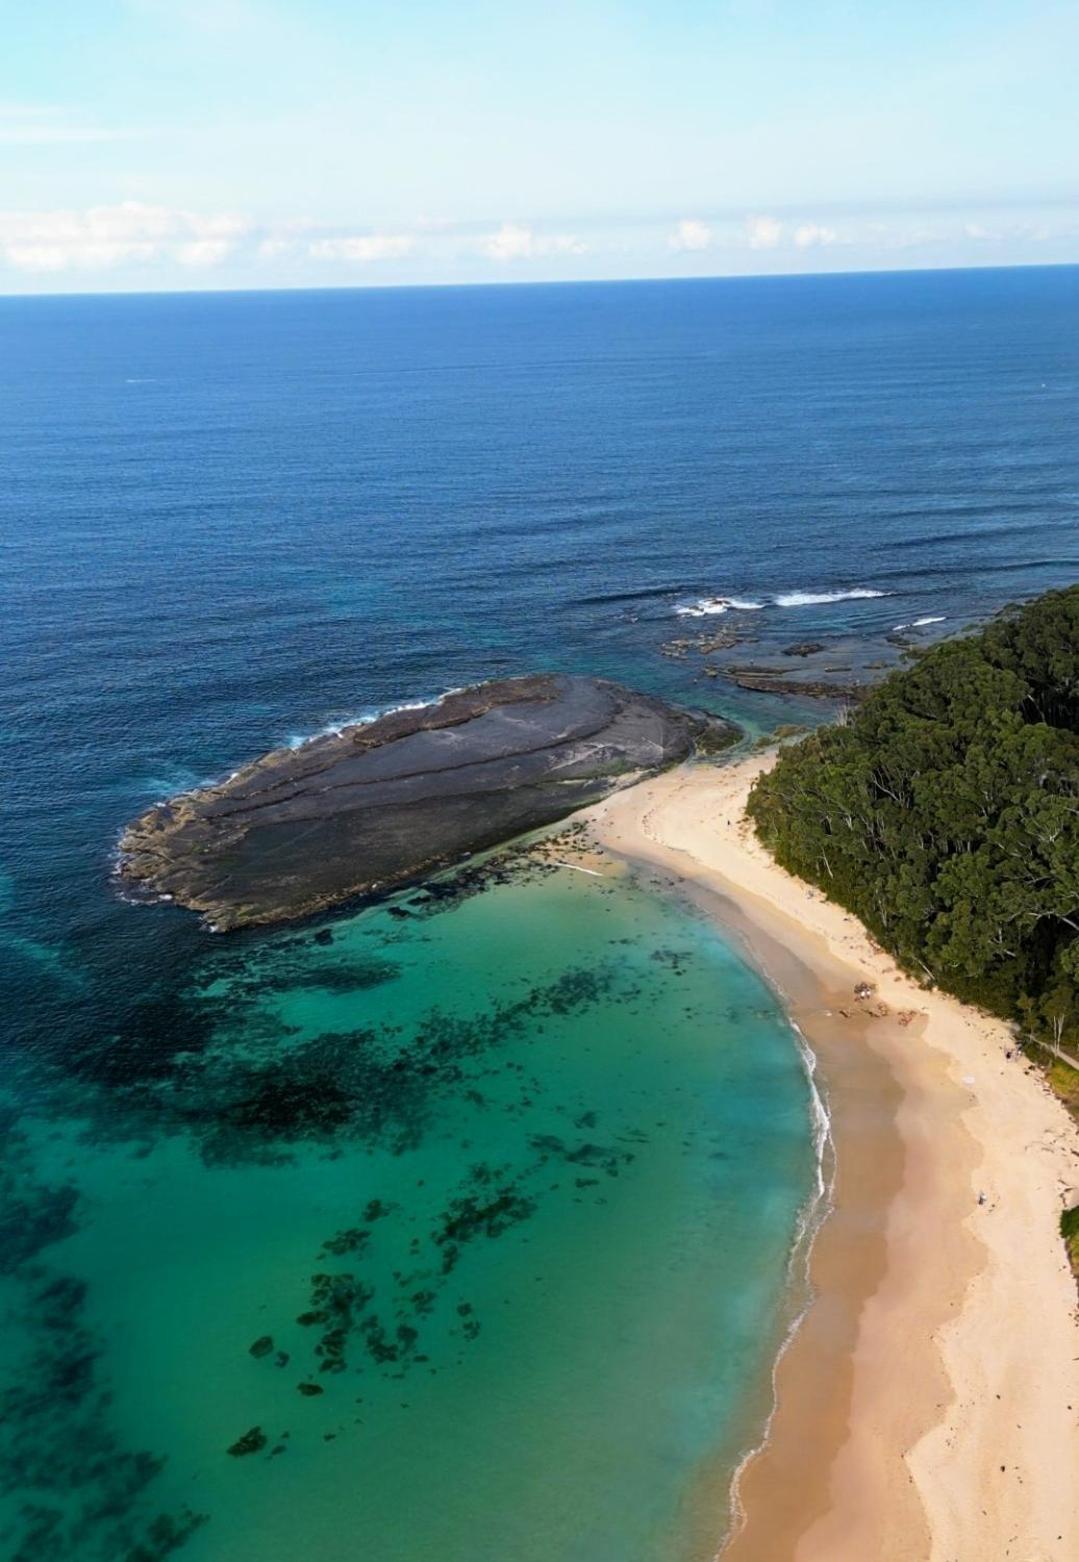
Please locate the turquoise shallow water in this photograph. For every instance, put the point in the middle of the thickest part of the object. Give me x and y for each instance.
(510, 1179)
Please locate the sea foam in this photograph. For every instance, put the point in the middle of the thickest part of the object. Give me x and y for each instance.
(710, 607)
(334, 729)
(813, 598)
(920, 623)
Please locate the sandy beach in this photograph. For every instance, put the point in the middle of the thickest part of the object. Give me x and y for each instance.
(928, 1405)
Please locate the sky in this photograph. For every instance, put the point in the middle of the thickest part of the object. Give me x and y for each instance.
(179, 144)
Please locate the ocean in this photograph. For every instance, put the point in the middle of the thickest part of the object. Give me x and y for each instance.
(465, 1220)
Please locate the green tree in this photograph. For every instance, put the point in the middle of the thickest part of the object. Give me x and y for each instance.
(945, 814)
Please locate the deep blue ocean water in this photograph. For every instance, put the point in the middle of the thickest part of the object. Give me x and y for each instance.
(228, 520)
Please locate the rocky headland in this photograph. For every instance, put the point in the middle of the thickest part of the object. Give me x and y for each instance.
(379, 804)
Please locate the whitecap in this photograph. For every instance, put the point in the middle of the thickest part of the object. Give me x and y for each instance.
(813, 598)
(334, 729)
(919, 623)
(711, 607)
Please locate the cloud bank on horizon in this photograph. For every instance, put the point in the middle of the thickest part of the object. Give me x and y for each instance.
(265, 143)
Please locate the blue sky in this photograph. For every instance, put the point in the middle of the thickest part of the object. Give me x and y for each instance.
(267, 143)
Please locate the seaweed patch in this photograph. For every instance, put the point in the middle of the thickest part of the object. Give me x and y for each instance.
(82, 1493)
(256, 1092)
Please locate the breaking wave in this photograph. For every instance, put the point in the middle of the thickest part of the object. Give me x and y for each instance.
(920, 623)
(333, 729)
(812, 598)
(710, 607)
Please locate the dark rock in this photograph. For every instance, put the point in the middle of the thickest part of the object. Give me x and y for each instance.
(250, 1443)
(715, 640)
(310, 1389)
(354, 1240)
(377, 806)
(263, 1346)
(769, 680)
(803, 648)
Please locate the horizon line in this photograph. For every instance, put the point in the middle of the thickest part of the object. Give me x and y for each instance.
(522, 282)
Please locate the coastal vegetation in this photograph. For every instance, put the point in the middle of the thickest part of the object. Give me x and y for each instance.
(944, 812)
(1069, 1230)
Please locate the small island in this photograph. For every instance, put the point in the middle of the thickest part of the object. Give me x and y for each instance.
(381, 803)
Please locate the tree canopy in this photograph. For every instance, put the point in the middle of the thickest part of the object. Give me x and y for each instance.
(945, 814)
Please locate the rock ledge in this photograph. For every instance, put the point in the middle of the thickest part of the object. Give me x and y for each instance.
(380, 804)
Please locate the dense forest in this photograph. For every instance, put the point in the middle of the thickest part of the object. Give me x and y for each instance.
(945, 814)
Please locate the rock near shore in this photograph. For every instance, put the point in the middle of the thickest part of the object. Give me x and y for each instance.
(378, 805)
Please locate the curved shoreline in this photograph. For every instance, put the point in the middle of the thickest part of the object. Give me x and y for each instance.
(925, 1407)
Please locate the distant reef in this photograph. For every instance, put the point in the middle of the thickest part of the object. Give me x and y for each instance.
(379, 804)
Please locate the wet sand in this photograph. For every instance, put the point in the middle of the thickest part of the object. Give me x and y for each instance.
(926, 1406)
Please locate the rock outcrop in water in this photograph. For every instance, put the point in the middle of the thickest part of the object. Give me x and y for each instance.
(770, 680)
(379, 804)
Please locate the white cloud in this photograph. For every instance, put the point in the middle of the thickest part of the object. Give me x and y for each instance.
(363, 247)
(38, 257)
(204, 252)
(513, 241)
(691, 234)
(809, 234)
(284, 238)
(104, 236)
(223, 225)
(1020, 232)
(763, 232)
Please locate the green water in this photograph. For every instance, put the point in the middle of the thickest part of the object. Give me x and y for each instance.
(511, 1182)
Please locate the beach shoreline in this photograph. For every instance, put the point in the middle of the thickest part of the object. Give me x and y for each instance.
(926, 1404)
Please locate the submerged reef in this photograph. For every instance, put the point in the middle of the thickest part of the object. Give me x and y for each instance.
(377, 805)
(259, 1101)
(418, 1315)
(70, 1486)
